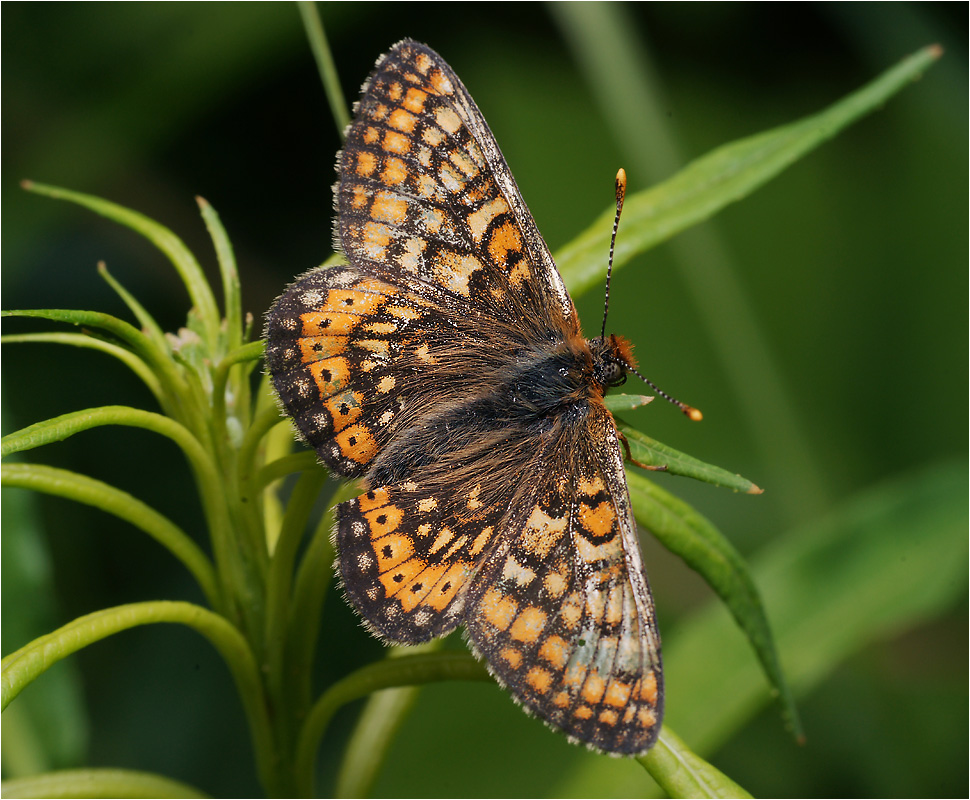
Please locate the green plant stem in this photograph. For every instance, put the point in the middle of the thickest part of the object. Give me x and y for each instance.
(408, 670)
(313, 26)
(91, 492)
(24, 665)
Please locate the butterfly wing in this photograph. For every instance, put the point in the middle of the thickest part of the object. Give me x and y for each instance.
(561, 608)
(425, 194)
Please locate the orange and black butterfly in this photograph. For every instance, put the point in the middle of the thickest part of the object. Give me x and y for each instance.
(445, 368)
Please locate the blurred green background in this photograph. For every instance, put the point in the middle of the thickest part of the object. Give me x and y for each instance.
(819, 324)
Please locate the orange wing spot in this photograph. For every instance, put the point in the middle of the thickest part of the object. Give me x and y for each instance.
(481, 540)
(402, 120)
(555, 584)
(481, 218)
(440, 83)
(473, 503)
(539, 679)
(609, 717)
(648, 688)
(328, 323)
(389, 208)
(433, 219)
(414, 100)
(528, 626)
(371, 135)
(459, 543)
(505, 239)
(583, 712)
(344, 409)
(542, 532)
(497, 609)
(395, 171)
(423, 353)
(448, 586)
(427, 186)
(461, 160)
(573, 677)
(395, 90)
(511, 656)
(396, 143)
(386, 384)
(593, 487)
(423, 63)
(555, 650)
(598, 521)
(361, 196)
(447, 120)
(433, 136)
(445, 535)
(356, 443)
(315, 348)
(413, 592)
(375, 498)
(427, 504)
(454, 270)
(331, 375)
(366, 164)
(354, 301)
(381, 328)
(594, 688)
(392, 549)
(561, 700)
(617, 694)
(572, 610)
(400, 576)
(646, 718)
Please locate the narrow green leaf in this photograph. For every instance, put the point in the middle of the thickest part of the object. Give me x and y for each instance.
(682, 773)
(148, 325)
(231, 290)
(626, 402)
(410, 670)
(723, 176)
(98, 783)
(889, 558)
(91, 492)
(20, 668)
(704, 549)
(650, 451)
(171, 245)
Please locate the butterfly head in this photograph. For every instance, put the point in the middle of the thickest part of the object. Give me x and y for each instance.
(612, 359)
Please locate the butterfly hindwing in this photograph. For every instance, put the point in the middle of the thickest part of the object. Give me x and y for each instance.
(561, 609)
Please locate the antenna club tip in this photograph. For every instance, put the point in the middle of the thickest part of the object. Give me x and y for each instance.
(620, 183)
(693, 413)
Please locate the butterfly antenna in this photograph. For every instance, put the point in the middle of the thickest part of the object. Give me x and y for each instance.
(620, 195)
(690, 411)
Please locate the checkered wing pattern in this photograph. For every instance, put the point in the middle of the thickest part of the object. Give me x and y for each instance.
(445, 368)
(561, 609)
(425, 194)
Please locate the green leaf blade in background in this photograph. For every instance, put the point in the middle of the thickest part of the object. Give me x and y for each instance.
(723, 176)
(887, 559)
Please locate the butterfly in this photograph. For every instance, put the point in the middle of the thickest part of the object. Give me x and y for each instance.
(445, 368)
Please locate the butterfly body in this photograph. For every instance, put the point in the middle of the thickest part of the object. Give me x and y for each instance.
(445, 368)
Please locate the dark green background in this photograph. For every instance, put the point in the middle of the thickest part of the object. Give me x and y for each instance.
(854, 263)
